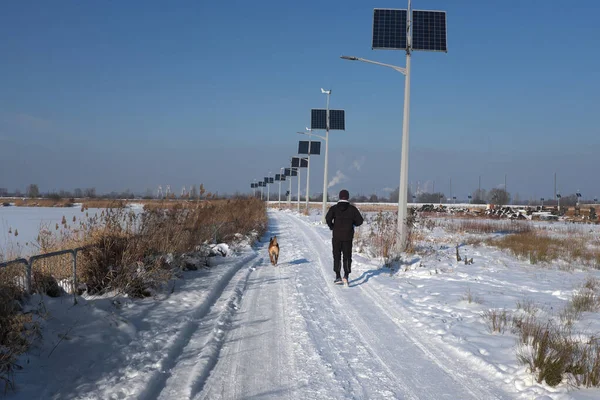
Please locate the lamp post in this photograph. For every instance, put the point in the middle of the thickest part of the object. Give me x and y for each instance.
(389, 33)
(280, 176)
(325, 176)
(402, 203)
(310, 135)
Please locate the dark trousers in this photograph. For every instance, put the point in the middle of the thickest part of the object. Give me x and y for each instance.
(339, 248)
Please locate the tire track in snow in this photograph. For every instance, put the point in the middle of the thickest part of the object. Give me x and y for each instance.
(157, 382)
(270, 353)
(350, 363)
(449, 370)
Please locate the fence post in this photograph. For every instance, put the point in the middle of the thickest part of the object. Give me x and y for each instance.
(75, 276)
(28, 276)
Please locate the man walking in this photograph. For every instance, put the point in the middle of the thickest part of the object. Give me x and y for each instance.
(342, 218)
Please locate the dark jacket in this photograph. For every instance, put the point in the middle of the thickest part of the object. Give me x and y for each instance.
(342, 218)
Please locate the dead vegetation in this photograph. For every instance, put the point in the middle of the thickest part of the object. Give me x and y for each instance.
(126, 252)
(549, 347)
(540, 247)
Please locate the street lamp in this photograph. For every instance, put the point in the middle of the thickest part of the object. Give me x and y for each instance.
(394, 30)
(325, 176)
(402, 203)
(280, 176)
(310, 135)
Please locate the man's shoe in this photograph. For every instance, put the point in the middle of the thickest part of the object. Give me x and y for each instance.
(338, 281)
(345, 281)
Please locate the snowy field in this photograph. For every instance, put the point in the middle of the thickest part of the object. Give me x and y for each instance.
(244, 329)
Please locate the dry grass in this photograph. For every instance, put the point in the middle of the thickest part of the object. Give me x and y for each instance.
(551, 350)
(496, 320)
(470, 298)
(16, 329)
(478, 226)
(539, 247)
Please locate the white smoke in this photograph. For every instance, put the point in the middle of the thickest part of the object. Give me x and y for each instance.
(357, 164)
(338, 178)
(388, 189)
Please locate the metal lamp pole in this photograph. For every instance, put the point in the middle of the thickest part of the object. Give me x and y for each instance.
(269, 188)
(298, 169)
(325, 180)
(310, 135)
(280, 175)
(403, 188)
(290, 192)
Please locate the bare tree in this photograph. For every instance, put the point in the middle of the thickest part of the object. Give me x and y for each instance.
(33, 191)
(89, 192)
(479, 196)
(430, 197)
(498, 197)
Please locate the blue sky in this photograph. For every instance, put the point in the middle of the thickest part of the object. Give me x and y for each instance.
(132, 95)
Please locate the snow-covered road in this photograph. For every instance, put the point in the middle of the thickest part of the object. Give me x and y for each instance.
(298, 336)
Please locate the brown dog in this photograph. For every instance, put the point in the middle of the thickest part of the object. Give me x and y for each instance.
(273, 250)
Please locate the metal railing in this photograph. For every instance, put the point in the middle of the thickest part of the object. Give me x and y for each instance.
(28, 263)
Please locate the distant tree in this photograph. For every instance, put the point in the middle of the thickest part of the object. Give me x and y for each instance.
(516, 198)
(202, 190)
(33, 191)
(89, 192)
(373, 198)
(570, 200)
(359, 199)
(193, 192)
(54, 196)
(430, 198)
(148, 195)
(394, 195)
(499, 197)
(479, 196)
(78, 193)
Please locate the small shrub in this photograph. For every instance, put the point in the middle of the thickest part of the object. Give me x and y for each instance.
(496, 320)
(585, 300)
(549, 352)
(528, 306)
(468, 296)
(383, 236)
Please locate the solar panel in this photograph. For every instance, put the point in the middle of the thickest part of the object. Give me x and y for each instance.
(315, 147)
(271, 180)
(266, 180)
(302, 147)
(291, 172)
(252, 185)
(296, 161)
(389, 29)
(429, 30)
(278, 177)
(318, 119)
(337, 120)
